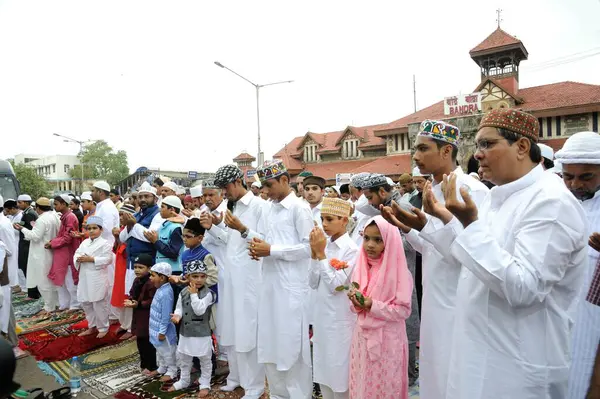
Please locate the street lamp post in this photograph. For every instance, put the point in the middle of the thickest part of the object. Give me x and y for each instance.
(81, 143)
(257, 87)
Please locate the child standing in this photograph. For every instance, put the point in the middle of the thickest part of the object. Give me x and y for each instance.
(193, 311)
(333, 321)
(193, 234)
(92, 258)
(161, 329)
(379, 353)
(140, 298)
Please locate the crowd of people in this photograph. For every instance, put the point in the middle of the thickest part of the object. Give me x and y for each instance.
(475, 285)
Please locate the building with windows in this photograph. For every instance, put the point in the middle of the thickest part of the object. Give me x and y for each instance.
(562, 109)
(55, 169)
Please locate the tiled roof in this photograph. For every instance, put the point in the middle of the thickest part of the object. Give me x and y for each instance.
(556, 144)
(388, 165)
(435, 111)
(244, 156)
(328, 170)
(496, 39)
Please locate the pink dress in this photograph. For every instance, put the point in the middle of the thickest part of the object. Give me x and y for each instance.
(379, 352)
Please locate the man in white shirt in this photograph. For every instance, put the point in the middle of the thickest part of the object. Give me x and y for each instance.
(283, 345)
(314, 189)
(523, 255)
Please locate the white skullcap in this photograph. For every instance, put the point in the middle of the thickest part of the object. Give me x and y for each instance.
(24, 197)
(170, 185)
(582, 148)
(66, 198)
(102, 185)
(86, 195)
(547, 151)
(256, 184)
(196, 191)
(556, 169)
(180, 190)
(147, 188)
(162, 268)
(173, 201)
(389, 181)
(417, 172)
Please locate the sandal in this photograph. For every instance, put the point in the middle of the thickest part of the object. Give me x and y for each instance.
(60, 393)
(35, 393)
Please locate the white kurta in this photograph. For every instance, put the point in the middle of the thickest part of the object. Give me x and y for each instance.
(5, 297)
(94, 276)
(110, 218)
(39, 260)
(333, 320)
(440, 279)
(282, 307)
(523, 265)
(242, 277)
(8, 237)
(195, 346)
(316, 213)
(586, 331)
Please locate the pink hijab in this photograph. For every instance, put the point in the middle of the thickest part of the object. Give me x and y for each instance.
(389, 282)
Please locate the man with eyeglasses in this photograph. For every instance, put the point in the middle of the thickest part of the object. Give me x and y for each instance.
(436, 149)
(523, 255)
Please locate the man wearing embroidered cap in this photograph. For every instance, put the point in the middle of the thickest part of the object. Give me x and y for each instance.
(283, 344)
(523, 255)
(580, 161)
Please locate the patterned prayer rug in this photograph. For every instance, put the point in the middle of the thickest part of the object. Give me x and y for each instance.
(24, 306)
(40, 322)
(117, 379)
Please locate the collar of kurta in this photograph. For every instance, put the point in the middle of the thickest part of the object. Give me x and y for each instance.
(342, 241)
(458, 171)
(499, 194)
(246, 198)
(289, 200)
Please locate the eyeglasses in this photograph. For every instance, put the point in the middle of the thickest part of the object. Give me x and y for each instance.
(485, 144)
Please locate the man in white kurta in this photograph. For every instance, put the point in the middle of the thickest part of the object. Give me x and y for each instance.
(11, 241)
(580, 161)
(39, 260)
(238, 307)
(283, 345)
(523, 255)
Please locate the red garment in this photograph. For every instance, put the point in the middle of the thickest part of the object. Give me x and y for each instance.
(118, 292)
(142, 291)
(64, 247)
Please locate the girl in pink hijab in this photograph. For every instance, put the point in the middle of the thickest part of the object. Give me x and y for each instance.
(379, 354)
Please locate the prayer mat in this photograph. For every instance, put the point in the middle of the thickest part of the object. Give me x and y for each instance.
(115, 380)
(63, 348)
(95, 364)
(41, 322)
(413, 392)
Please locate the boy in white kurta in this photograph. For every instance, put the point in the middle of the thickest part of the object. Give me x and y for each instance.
(92, 258)
(195, 336)
(332, 262)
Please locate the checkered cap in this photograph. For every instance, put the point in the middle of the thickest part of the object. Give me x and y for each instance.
(227, 174)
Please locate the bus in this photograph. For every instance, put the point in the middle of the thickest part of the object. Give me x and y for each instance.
(9, 185)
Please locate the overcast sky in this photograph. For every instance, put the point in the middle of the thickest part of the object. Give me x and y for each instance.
(140, 74)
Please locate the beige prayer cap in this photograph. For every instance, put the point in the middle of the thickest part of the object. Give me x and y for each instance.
(43, 201)
(336, 207)
(405, 178)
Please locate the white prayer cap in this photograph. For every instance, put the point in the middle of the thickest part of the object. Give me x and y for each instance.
(173, 201)
(389, 181)
(582, 148)
(256, 184)
(102, 185)
(556, 169)
(547, 151)
(86, 195)
(180, 190)
(417, 172)
(162, 268)
(24, 197)
(170, 185)
(147, 188)
(66, 198)
(337, 190)
(196, 191)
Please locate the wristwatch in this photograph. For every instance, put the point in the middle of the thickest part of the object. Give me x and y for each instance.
(245, 234)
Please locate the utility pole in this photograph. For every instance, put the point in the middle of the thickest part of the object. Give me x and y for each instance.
(499, 16)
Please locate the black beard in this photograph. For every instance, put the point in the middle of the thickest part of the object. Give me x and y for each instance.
(583, 195)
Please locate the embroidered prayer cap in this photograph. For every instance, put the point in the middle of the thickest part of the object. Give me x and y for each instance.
(374, 180)
(417, 172)
(97, 220)
(582, 148)
(172, 200)
(441, 131)
(146, 188)
(405, 178)
(43, 201)
(547, 151)
(227, 174)
(86, 195)
(271, 171)
(196, 191)
(315, 180)
(193, 224)
(127, 208)
(210, 184)
(24, 197)
(195, 266)
(516, 121)
(336, 207)
(171, 185)
(144, 259)
(102, 185)
(357, 180)
(162, 268)
(305, 173)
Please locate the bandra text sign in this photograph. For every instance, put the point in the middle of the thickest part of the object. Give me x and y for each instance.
(463, 104)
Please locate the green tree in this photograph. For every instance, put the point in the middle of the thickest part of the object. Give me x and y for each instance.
(31, 183)
(101, 162)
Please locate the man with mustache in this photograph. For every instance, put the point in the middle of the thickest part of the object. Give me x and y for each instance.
(580, 160)
(314, 189)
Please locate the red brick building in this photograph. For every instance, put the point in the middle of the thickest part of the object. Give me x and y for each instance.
(562, 109)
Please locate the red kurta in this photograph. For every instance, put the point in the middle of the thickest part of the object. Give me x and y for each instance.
(118, 292)
(64, 247)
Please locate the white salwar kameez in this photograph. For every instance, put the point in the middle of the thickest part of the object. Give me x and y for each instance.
(586, 331)
(109, 213)
(21, 276)
(92, 290)
(5, 302)
(283, 344)
(39, 260)
(316, 213)
(239, 307)
(334, 322)
(8, 237)
(440, 279)
(523, 265)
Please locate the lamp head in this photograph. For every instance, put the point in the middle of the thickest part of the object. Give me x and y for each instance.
(217, 63)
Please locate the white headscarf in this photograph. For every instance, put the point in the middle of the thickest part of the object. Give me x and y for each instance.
(582, 148)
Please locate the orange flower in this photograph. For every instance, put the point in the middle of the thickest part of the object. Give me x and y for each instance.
(338, 264)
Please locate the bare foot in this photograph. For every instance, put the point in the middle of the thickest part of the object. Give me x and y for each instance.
(152, 374)
(102, 335)
(165, 378)
(203, 393)
(125, 336)
(89, 331)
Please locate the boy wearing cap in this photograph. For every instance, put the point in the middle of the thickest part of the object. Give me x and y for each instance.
(161, 329)
(140, 299)
(92, 259)
(195, 340)
(63, 273)
(40, 259)
(333, 320)
(167, 240)
(28, 218)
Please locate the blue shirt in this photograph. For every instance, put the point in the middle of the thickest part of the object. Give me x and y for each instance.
(160, 316)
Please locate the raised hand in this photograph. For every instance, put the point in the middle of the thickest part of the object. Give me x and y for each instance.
(206, 220)
(259, 248)
(433, 207)
(415, 219)
(318, 243)
(466, 210)
(388, 214)
(233, 222)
